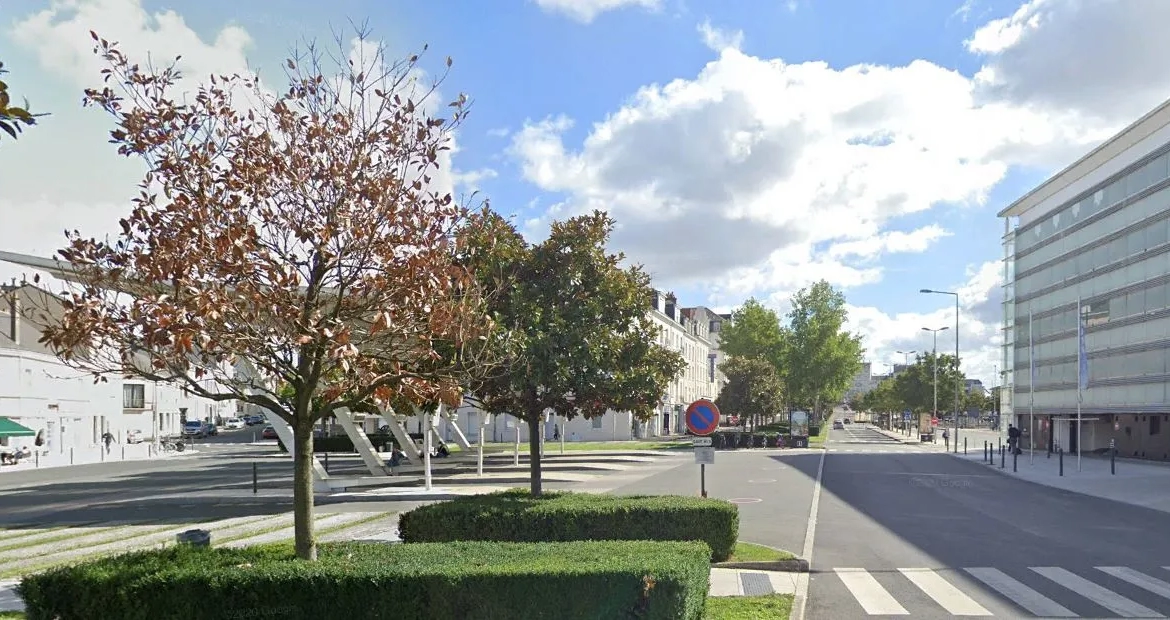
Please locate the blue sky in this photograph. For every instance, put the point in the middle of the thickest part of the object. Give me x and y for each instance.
(747, 176)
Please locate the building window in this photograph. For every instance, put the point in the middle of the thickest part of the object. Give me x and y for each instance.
(134, 396)
(1155, 425)
(596, 422)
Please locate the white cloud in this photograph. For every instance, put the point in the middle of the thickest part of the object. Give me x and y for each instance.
(69, 176)
(585, 11)
(979, 326)
(757, 176)
(718, 39)
(890, 242)
(1102, 59)
(763, 160)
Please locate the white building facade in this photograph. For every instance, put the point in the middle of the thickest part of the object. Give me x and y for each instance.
(64, 405)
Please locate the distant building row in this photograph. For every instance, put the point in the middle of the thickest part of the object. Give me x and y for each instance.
(66, 409)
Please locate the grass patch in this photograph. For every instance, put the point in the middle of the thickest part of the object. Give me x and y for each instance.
(770, 607)
(12, 615)
(751, 552)
(823, 433)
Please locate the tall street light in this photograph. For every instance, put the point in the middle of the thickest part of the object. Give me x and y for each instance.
(934, 353)
(931, 291)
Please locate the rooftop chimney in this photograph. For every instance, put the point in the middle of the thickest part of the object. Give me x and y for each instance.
(671, 306)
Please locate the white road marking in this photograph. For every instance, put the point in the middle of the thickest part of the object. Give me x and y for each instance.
(1141, 580)
(810, 532)
(944, 592)
(870, 594)
(1102, 596)
(1020, 594)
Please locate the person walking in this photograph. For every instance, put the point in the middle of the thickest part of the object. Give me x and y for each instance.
(946, 439)
(108, 438)
(1013, 439)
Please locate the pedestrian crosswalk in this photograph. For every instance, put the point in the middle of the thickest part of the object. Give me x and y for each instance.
(1035, 591)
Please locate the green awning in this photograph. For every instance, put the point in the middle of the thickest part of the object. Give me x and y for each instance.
(8, 428)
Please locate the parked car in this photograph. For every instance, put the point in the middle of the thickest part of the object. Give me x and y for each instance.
(837, 425)
(133, 436)
(268, 433)
(233, 424)
(194, 428)
(211, 429)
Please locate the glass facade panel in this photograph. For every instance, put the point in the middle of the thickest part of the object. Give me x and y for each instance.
(1133, 183)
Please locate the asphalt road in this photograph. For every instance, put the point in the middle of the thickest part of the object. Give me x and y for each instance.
(910, 531)
(928, 535)
(214, 483)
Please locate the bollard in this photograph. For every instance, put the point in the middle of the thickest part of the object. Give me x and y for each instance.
(1060, 455)
(1112, 458)
(326, 462)
(1015, 461)
(70, 455)
(123, 453)
(255, 479)
(964, 445)
(37, 456)
(984, 450)
(1002, 457)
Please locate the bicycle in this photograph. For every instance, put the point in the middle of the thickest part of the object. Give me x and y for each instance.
(169, 446)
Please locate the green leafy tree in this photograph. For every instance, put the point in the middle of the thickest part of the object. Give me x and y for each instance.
(583, 340)
(13, 118)
(883, 400)
(915, 385)
(822, 357)
(753, 389)
(755, 332)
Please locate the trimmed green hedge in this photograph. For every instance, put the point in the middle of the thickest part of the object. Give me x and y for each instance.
(516, 516)
(472, 580)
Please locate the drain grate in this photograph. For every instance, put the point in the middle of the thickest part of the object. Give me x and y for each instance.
(755, 584)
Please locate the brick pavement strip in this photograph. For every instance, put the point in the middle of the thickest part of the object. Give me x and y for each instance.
(54, 553)
(338, 520)
(63, 540)
(9, 534)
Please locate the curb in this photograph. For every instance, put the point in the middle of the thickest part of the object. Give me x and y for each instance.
(795, 565)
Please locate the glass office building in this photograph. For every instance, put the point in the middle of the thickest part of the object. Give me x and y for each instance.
(1096, 233)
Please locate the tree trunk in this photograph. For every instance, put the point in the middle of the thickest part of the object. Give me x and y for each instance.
(534, 453)
(306, 545)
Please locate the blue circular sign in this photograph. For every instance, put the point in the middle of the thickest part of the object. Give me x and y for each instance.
(702, 417)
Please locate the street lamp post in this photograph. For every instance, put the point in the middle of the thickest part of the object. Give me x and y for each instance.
(906, 363)
(934, 353)
(931, 291)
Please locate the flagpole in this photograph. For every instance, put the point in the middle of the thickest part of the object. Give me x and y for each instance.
(1031, 393)
(1081, 357)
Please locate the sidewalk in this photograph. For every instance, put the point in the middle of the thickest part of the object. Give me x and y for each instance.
(89, 455)
(743, 582)
(1136, 482)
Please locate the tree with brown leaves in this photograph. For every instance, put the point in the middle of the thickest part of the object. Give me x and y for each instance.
(293, 239)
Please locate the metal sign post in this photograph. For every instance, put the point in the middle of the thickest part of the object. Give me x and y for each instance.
(703, 419)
